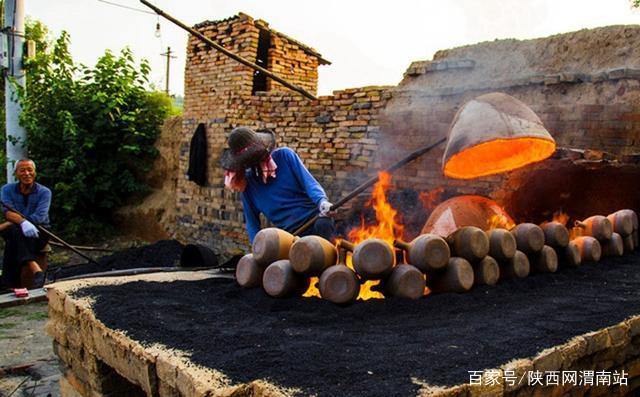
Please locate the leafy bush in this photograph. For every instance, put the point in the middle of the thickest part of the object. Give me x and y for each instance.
(91, 131)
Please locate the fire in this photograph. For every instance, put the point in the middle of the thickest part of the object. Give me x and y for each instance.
(313, 288)
(500, 220)
(560, 217)
(563, 218)
(387, 229)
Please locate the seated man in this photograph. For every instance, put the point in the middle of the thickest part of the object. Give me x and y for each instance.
(24, 243)
(274, 183)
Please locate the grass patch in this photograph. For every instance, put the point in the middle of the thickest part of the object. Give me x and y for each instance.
(8, 313)
(7, 325)
(38, 316)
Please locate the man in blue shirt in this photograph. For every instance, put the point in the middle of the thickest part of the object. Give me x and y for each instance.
(274, 182)
(24, 243)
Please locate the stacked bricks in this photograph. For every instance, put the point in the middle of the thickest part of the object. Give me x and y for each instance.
(287, 57)
(609, 350)
(346, 137)
(99, 362)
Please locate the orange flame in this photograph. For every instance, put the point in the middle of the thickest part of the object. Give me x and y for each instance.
(500, 221)
(313, 288)
(561, 217)
(387, 229)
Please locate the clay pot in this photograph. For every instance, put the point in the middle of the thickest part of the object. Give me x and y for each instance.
(457, 277)
(634, 218)
(311, 255)
(570, 255)
(249, 272)
(628, 244)
(614, 246)
(405, 281)
(556, 234)
(427, 252)
(596, 226)
(470, 243)
(516, 267)
(622, 222)
(487, 271)
(373, 258)
(589, 247)
(279, 280)
(339, 284)
(546, 261)
(271, 244)
(529, 238)
(502, 244)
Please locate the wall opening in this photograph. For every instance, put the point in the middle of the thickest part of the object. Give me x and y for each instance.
(112, 383)
(262, 59)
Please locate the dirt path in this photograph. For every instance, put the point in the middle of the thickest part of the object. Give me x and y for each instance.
(26, 348)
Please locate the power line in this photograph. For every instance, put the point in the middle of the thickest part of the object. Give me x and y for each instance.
(127, 7)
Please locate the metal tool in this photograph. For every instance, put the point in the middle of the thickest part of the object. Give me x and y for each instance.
(48, 233)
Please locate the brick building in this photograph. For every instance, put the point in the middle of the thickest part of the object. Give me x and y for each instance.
(585, 86)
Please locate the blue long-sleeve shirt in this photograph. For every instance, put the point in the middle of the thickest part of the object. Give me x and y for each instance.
(35, 205)
(288, 201)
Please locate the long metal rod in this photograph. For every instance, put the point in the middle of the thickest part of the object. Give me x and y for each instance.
(82, 247)
(48, 233)
(144, 270)
(412, 156)
(228, 53)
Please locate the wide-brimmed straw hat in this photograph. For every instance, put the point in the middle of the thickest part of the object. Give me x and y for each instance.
(247, 148)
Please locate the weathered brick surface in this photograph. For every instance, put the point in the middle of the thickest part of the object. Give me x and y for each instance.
(572, 351)
(548, 360)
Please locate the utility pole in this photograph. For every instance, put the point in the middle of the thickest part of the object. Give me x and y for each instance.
(169, 56)
(16, 136)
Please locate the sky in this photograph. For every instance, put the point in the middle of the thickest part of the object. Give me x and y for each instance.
(369, 42)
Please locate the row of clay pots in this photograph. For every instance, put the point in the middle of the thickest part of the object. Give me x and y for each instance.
(612, 235)
(282, 263)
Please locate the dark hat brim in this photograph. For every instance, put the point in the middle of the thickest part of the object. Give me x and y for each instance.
(249, 157)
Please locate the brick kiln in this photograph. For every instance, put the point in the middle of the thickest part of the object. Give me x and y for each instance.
(585, 93)
(569, 209)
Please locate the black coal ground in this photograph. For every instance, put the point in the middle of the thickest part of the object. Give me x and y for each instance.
(375, 347)
(164, 253)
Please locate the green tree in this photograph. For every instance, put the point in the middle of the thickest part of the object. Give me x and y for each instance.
(91, 132)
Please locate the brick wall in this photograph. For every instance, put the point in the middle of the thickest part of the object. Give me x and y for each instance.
(336, 137)
(288, 58)
(344, 138)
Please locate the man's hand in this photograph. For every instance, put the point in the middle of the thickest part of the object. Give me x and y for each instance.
(28, 229)
(324, 207)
